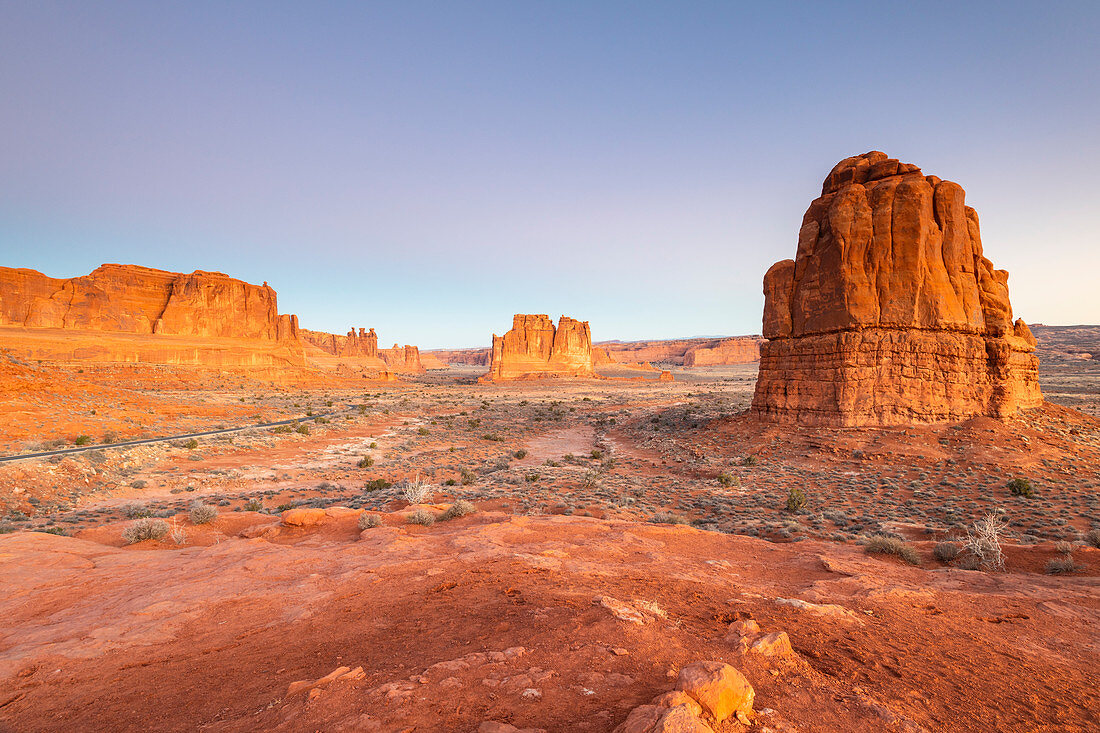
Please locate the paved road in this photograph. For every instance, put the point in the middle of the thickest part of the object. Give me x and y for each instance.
(146, 441)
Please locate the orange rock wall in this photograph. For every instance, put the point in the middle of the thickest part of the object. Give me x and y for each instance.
(138, 314)
(364, 343)
(534, 348)
(684, 352)
(890, 313)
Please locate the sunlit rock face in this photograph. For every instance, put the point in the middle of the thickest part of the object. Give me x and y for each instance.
(890, 313)
(534, 348)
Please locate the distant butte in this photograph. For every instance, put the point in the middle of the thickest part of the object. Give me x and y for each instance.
(534, 348)
(890, 314)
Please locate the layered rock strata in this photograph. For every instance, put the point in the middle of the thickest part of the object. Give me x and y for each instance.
(534, 348)
(890, 313)
(139, 314)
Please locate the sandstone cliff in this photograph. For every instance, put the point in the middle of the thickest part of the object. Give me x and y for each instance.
(204, 317)
(890, 313)
(364, 343)
(684, 352)
(534, 348)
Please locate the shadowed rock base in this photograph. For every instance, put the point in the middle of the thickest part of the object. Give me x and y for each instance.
(891, 377)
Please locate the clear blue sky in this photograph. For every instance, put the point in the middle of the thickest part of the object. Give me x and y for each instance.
(429, 169)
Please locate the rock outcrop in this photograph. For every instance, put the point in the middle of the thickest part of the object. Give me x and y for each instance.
(364, 343)
(534, 348)
(205, 317)
(682, 352)
(360, 349)
(890, 313)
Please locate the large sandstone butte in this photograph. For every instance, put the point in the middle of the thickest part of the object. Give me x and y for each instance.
(889, 313)
(111, 314)
(534, 349)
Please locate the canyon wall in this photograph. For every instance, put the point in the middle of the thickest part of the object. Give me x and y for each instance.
(364, 343)
(685, 352)
(534, 348)
(890, 313)
(139, 314)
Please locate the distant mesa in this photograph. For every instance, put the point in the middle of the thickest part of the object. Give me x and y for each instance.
(638, 354)
(127, 313)
(534, 349)
(889, 313)
(360, 349)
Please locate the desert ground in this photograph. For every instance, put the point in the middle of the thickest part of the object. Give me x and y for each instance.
(329, 574)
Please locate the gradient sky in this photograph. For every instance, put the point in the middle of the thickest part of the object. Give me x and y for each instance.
(429, 169)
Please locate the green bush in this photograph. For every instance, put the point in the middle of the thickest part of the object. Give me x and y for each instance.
(253, 505)
(377, 484)
(748, 461)
(596, 454)
(423, 431)
(145, 529)
(1060, 565)
(493, 437)
(303, 429)
(191, 444)
(520, 454)
(282, 429)
(795, 499)
(365, 462)
(727, 479)
(468, 476)
(134, 510)
(1021, 487)
(667, 518)
(883, 545)
(1093, 537)
(82, 440)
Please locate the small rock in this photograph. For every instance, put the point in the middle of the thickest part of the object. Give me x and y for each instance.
(620, 652)
(492, 726)
(719, 688)
(531, 694)
(677, 697)
(775, 645)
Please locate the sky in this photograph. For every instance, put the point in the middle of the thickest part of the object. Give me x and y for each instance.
(430, 168)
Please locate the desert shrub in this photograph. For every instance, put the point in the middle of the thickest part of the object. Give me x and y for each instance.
(82, 440)
(202, 513)
(138, 484)
(109, 437)
(945, 551)
(468, 476)
(320, 420)
(1065, 547)
(422, 517)
(795, 499)
(1020, 487)
(52, 530)
(1093, 537)
(145, 529)
(177, 534)
(302, 429)
(596, 454)
(134, 510)
(282, 429)
(377, 484)
(983, 541)
(1060, 565)
(881, 544)
(520, 454)
(365, 462)
(459, 508)
(667, 518)
(748, 461)
(368, 520)
(531, 478)
(253, 505)
(727, 479)
(417, 491)
(493, 437)
(192, 444)
(450, 482)
(373, 445)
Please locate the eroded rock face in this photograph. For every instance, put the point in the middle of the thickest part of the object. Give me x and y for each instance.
(140, 301)
(890, 313)
(364, 343)
(405, 359)
(534, 348)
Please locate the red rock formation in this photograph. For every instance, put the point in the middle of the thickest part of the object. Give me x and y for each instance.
(471, 357)
(123, 302)
(890, 313)
(684, 352)
(665, 376)
(404, 359)
(534, 348)
(364, 343)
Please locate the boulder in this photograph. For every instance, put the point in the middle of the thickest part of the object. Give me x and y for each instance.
(303, 517)
(720, 689)
(890, 313)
